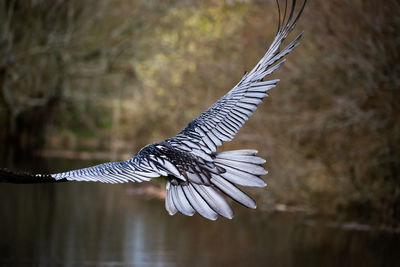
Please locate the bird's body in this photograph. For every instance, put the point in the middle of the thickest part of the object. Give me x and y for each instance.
(196, 173)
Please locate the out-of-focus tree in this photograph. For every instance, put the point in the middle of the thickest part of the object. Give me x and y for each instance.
(359, 134)
(338, 126)
(46, 48)
(116, 75)
(190, 42)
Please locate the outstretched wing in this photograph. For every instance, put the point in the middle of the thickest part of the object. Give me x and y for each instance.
(140, 168)
(137, 169)
(225, 117)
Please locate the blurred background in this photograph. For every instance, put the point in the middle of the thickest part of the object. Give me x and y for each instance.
(83, 82)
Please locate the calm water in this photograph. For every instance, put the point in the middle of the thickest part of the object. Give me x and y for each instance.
(88, 224)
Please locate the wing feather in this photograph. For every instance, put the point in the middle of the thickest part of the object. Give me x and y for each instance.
(137, 169)
(225, 117)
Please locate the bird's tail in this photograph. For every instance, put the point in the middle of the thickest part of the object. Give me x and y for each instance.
(242, 167)
(238, 167)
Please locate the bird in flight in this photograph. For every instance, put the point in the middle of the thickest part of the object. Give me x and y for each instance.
(197, 175)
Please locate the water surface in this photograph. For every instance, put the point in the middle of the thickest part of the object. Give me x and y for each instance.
(90, 224)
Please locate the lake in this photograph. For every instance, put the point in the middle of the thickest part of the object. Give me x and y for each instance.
(92, 224)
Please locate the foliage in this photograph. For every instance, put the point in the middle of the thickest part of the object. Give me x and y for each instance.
(116, 75)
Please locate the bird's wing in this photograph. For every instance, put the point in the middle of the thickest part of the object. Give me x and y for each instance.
(149, 163)
(142, 167)
(137, 169)
(225, 117)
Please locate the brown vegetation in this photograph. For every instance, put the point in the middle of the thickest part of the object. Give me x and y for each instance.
(116, 75)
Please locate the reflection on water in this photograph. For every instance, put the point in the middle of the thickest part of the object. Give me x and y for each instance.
(96, 224)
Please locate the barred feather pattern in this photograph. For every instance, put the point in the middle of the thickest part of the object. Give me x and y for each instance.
(225, 117)
(232, 168)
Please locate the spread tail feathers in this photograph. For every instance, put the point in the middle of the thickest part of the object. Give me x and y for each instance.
(241, 167)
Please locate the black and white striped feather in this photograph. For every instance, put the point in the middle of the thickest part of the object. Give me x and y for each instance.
(225, 117)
